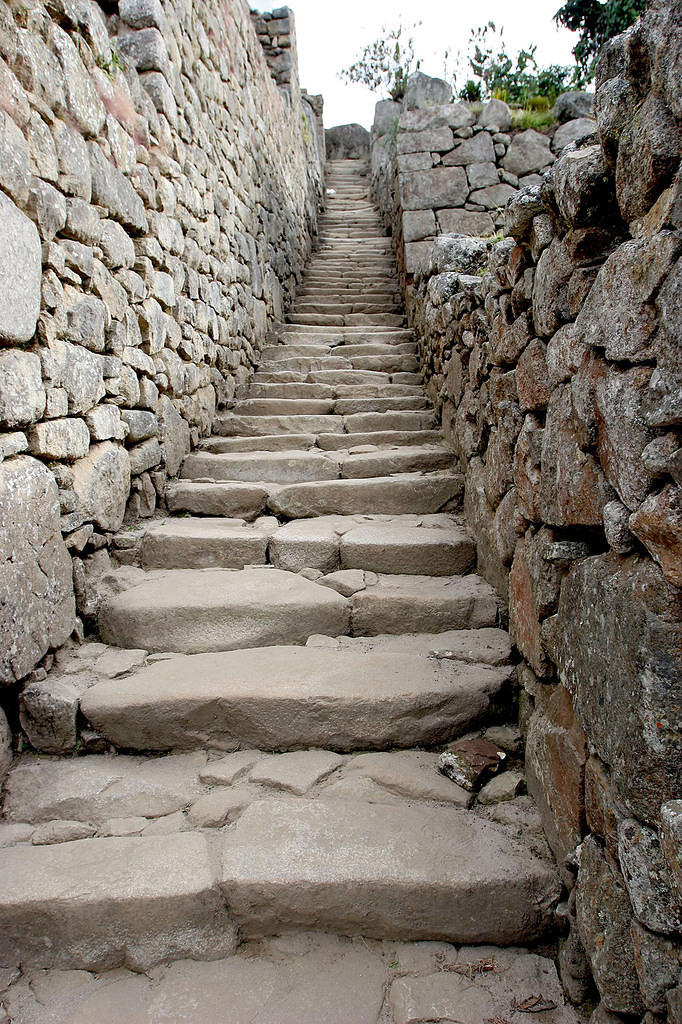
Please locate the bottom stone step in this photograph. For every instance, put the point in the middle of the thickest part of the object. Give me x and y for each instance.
(300, 978)
(408, 872)
(101, 903)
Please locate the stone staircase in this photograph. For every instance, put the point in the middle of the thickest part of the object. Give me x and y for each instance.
(276, 675)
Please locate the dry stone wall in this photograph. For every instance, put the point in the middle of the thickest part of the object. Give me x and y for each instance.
(554, 358)
(159, 195)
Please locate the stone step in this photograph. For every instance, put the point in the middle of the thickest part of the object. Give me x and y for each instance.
(409, 492)
(231, 424)
(266, 443)
(379, 438)
(291, 698)
(391, 495)
(434, 545)
(227, 424)
(210, 543)
(284, 406)
(387, 319)
(423, 604)
(417, 872)
(313, 307)
(272, 405)
(96, 904)
(296, 467)
(301, 389)
(289, 978)
(400, 403)
(192, 611)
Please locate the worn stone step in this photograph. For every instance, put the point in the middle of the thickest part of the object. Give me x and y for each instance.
(229, 424)
(388, 319)
(193, 611)
(378, 438)
(409, 492)
(294, 978)
(265, 467)
(96, 904)
(423, 604)
(301, 389)
(365, 422)
(400, 403)
(434, 545)
(284, 406)
(404, 872)
(209, 543)
(234, 500)
(289, 698)
(267, 442)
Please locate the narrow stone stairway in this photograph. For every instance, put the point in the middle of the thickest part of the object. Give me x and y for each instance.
(281, 660)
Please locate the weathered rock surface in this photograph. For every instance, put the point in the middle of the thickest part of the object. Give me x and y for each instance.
(316, 859)
(37, 600)
(20, 273)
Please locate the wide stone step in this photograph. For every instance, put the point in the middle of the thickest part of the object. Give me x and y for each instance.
(101, 903)
(289, 698)
(230, 425)
(296, 467)
(290, 979)
(404, 872)
(388, 319)
(188, 543)
(265, 443)
(235, 500)
(301, 389)
(220, 610)
(433, 545)
(388, 495)
(379, 438)
(253, 406)
(400, 403)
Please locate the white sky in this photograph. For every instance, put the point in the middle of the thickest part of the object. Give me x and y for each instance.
(331, 36)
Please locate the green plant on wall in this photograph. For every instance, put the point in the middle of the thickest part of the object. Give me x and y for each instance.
(306, 131)
(595, 21)
(385, 64)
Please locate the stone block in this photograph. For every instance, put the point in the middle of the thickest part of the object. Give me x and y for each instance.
(582, 186)
(492, 197)
(573, 487)
(145, 49)
(619, 644)
(481, 175)
(104, 423)
(601, 813)
(15, 175)
(48, 712)
(648, 156)
(653, 890)
(65, 439)
(423, 91)
(466, 222)
(386, 114)
(658, 524)
(5, 746)
(573, 131)
(496, 116)
(83, 101)
(657, 962)
(20, 274)
(428, 189)
(102, 482)
(348, 142)
(478, 149)
(621, 399)
(604, 918)
(529, 151)
(111, 189)
(37, 605)
(77, 370)
(437, 140)
(22, 394)
(556, 752)
(573, 104)
(418, 224)
(532, 377)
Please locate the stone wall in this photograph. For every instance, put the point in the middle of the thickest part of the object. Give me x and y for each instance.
(554, 358)
(158, 197)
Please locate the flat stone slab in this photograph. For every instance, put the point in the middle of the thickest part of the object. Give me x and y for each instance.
(409, 773)
(230, 425)
(288, 980)
(325, 865)
(271, 467)
(206, 543)
(95, 789)
(220, 610)
(390, 495)
(267, 442)
(408, 459)
(236, 500)
(284, 698)
(486, 646)
(497, 981)
(423, 604)
(334, 442)
(408, 550)
(101, 903)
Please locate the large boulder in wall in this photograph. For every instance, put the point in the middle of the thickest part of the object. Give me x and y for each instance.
(37, 604)
(347, 142)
